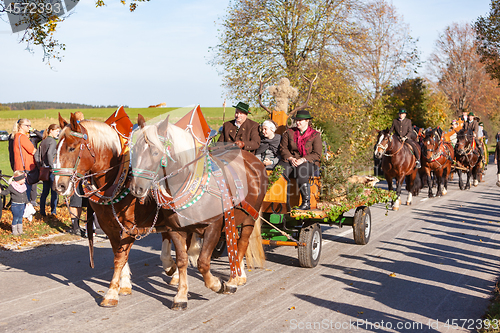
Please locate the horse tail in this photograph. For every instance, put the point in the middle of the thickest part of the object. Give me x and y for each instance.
(255, 251)
(194, 249)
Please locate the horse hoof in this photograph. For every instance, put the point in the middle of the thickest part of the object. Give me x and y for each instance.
(109, 303)
(408, 203)
(179, 306)
(171, 271)
(498, 184)
(395, 208)
(125, 291)
(226, 289)
(174, 281)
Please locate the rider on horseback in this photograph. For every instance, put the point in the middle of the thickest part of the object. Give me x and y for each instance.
(404, 130)
(472, 125)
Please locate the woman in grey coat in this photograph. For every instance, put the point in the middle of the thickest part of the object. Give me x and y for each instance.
(269, 145)
(47, 154)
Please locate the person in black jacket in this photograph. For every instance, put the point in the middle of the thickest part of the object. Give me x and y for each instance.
(47, 154)
(403, 128)
(17, 190)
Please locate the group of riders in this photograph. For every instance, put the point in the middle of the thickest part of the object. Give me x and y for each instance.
(402, 127)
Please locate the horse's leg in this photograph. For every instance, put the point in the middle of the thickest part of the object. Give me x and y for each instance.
(389, 187)
(399, 184)
(446, 172)
(246, 233)
(439, 180)
(210, 239)
(125, 281)
(469, 174)
(428, 176)
(460, 181)
(121, 249)
(166, 255)
(181, 256)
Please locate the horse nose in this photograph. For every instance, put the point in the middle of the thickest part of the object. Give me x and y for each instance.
(61, 188)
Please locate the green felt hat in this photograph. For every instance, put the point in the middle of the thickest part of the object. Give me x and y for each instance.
(302, 114)
(402, 111)
(481, 124)
(242, 107)
(471, 113)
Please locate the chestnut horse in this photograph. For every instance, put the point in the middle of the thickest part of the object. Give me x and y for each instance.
(398, 161)
(437, 156)
(467, 156)
(182, 176)
(92, 150)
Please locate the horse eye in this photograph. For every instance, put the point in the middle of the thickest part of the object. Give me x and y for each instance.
(71, 149)
(155, 153)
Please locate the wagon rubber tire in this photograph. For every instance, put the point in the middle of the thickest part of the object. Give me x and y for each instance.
(362, 225)
(309, 255)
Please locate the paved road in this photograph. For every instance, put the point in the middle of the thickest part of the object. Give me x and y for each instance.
(443, 255)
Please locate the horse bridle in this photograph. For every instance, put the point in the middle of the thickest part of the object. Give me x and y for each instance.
(74, 175)
(153, 175)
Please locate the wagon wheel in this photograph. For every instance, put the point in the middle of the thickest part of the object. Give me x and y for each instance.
(309, 254)
(362, 226)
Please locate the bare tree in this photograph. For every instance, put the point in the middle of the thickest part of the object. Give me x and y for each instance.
(456, 66)
(386, 53)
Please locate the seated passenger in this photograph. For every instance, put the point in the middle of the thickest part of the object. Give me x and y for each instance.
(300, 150)
(269, 145)
(242, 131)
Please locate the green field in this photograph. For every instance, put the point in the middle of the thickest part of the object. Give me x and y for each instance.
(41, 119)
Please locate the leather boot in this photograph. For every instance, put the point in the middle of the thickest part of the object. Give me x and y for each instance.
(14, 230)
(76, 226)
(19, 228)
(305, 193)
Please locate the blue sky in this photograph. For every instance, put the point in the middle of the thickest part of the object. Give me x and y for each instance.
(159, 53)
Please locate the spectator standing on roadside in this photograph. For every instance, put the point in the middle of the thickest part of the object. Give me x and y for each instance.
(18, 194)
(23, 154)
(47, 154)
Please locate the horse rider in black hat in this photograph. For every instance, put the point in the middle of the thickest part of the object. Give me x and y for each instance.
(404, 130)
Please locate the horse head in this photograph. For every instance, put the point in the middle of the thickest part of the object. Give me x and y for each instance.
(74, 155)
(430, 143)
(464, 140)
(384, 139)
(157, 158)
(84, 146)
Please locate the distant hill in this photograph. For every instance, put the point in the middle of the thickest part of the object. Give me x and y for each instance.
(35, 105)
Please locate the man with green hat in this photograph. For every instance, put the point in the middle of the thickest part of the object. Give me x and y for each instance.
(472, 125)
(403, 128)
(242, 131)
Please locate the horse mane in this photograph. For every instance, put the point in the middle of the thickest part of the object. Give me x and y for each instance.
(182, 142)
(101, 136)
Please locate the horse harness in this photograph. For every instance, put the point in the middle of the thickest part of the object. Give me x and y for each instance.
(206, 165)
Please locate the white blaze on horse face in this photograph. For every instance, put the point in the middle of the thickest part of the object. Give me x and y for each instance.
(58, 165)
(381, 138)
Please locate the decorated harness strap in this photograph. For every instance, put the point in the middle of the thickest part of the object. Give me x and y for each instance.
(229, 222)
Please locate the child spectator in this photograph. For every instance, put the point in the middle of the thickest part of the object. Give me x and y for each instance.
(18, 194)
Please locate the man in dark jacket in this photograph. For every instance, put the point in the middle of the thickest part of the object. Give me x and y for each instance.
(242, 131)
(472, 125)
(403, 128)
